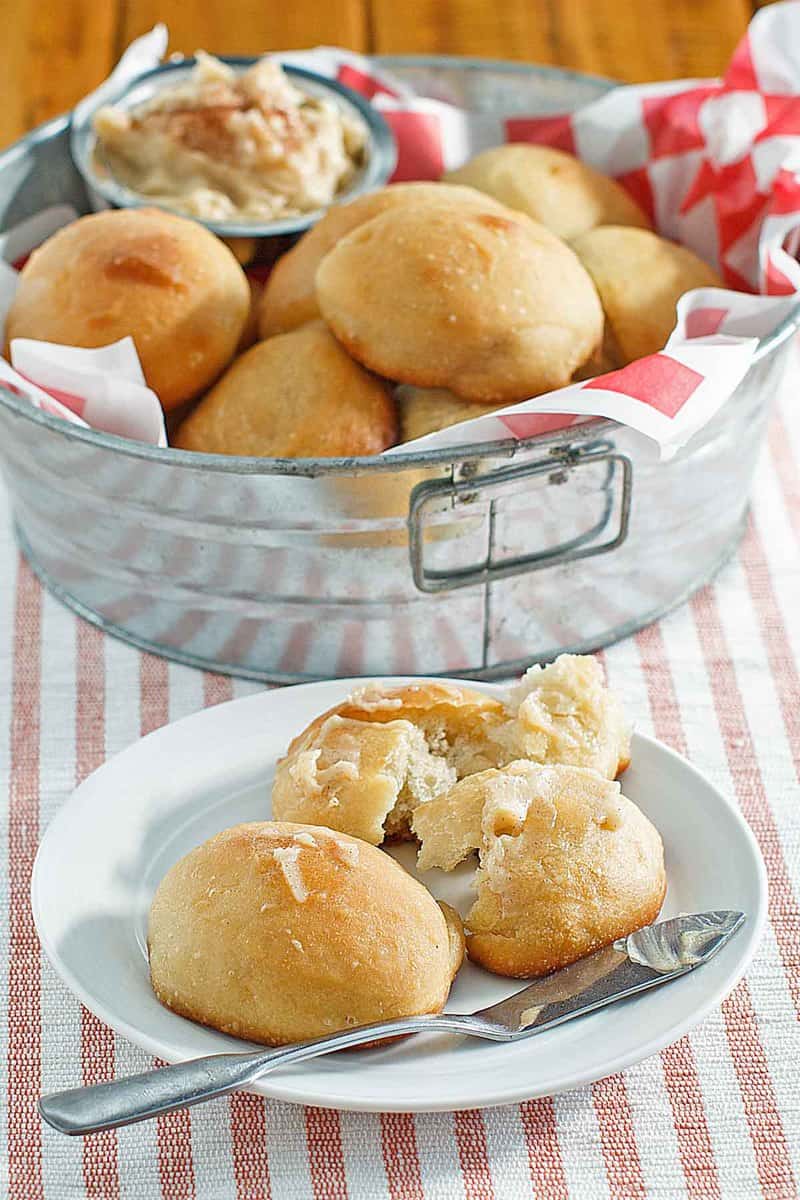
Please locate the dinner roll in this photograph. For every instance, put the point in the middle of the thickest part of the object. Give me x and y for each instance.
(363, 766)
(281, 933)
(162, 279)
(564, 713)
(491, 306)
(567, 863)
(294, 396)
(426, 410)
(290, 299)
(640, 278)
(555, 188)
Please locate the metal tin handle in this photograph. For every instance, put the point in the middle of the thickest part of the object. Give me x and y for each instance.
(467, 490)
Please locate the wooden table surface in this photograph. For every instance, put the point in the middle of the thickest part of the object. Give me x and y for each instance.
(52, 53)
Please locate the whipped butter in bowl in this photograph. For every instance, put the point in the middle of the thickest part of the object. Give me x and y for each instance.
(249, 147)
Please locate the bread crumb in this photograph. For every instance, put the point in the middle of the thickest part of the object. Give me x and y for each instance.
(286, 857)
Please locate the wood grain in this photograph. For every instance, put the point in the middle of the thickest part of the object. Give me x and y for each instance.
(51, 54)
(248, 26)
(646, 39)
(508, 29)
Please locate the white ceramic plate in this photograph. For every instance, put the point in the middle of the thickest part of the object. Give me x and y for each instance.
(114, 839)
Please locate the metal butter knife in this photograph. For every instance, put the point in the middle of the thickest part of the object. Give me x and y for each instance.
(652, 956)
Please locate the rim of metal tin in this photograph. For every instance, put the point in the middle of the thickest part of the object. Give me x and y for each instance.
(505, 65)
(380, 162)
(397, 460)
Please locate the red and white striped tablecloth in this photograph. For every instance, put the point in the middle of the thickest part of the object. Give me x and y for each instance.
(717, 1115)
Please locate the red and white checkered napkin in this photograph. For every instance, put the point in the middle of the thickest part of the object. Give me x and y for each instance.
(715, 163)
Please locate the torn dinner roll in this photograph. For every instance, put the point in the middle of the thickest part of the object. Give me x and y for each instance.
(565, 713)
(364, 765)
(567, 863)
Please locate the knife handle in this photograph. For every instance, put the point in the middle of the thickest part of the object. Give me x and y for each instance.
(135, 1098)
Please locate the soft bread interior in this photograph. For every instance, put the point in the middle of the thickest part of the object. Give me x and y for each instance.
(455, 728)
(564, 713)
(456, 823)
(437, 741)
(362, 777)
(426, 774)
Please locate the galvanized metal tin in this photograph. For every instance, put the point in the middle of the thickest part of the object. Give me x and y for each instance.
(474, 562)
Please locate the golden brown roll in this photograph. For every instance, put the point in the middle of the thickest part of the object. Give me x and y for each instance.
(281, 933)
(491, 306)
(294, 396)
(564, 713)
(364, 765)
(640, 278)
(567, 863)
(162, 279)
(290, 298)
(552, 187)
(426, 410)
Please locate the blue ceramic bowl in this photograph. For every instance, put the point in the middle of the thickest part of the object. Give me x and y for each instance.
(380, 155)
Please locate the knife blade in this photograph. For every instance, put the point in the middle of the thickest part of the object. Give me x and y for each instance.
(643, 960)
